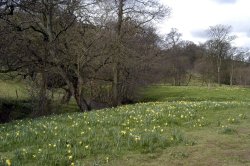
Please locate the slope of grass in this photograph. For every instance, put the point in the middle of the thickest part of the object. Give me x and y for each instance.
(195, 93)
(105, 136)
(202, 132)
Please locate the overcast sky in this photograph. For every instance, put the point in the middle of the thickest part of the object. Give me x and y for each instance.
(193, 17)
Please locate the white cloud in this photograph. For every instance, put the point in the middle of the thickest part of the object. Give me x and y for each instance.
(193, 16)
(225, 1)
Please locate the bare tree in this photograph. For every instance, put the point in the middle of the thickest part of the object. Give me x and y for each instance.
(177, 56)
(47, 21)
(173, 38)
(219, 44)
(141, 12)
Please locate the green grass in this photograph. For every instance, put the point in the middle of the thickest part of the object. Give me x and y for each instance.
(13, 90)
(195, 93)
(16, 94)
(183, 126)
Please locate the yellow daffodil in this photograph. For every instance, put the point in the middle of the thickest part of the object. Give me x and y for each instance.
(8, 162)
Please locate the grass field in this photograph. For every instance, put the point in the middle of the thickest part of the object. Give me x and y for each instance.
(183, 126)
(12, 90)
(195, 93)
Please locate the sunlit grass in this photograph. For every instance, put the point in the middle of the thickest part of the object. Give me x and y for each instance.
(101, 136)
(179, 117)
(195, 93)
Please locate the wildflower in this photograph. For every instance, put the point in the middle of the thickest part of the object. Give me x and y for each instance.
(70, 157)
(87, 146)
(8, 162)
(72, 164)
(123, 132)
(137, 138)
(107, 159)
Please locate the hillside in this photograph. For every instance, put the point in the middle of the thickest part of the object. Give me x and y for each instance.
(154, 133)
